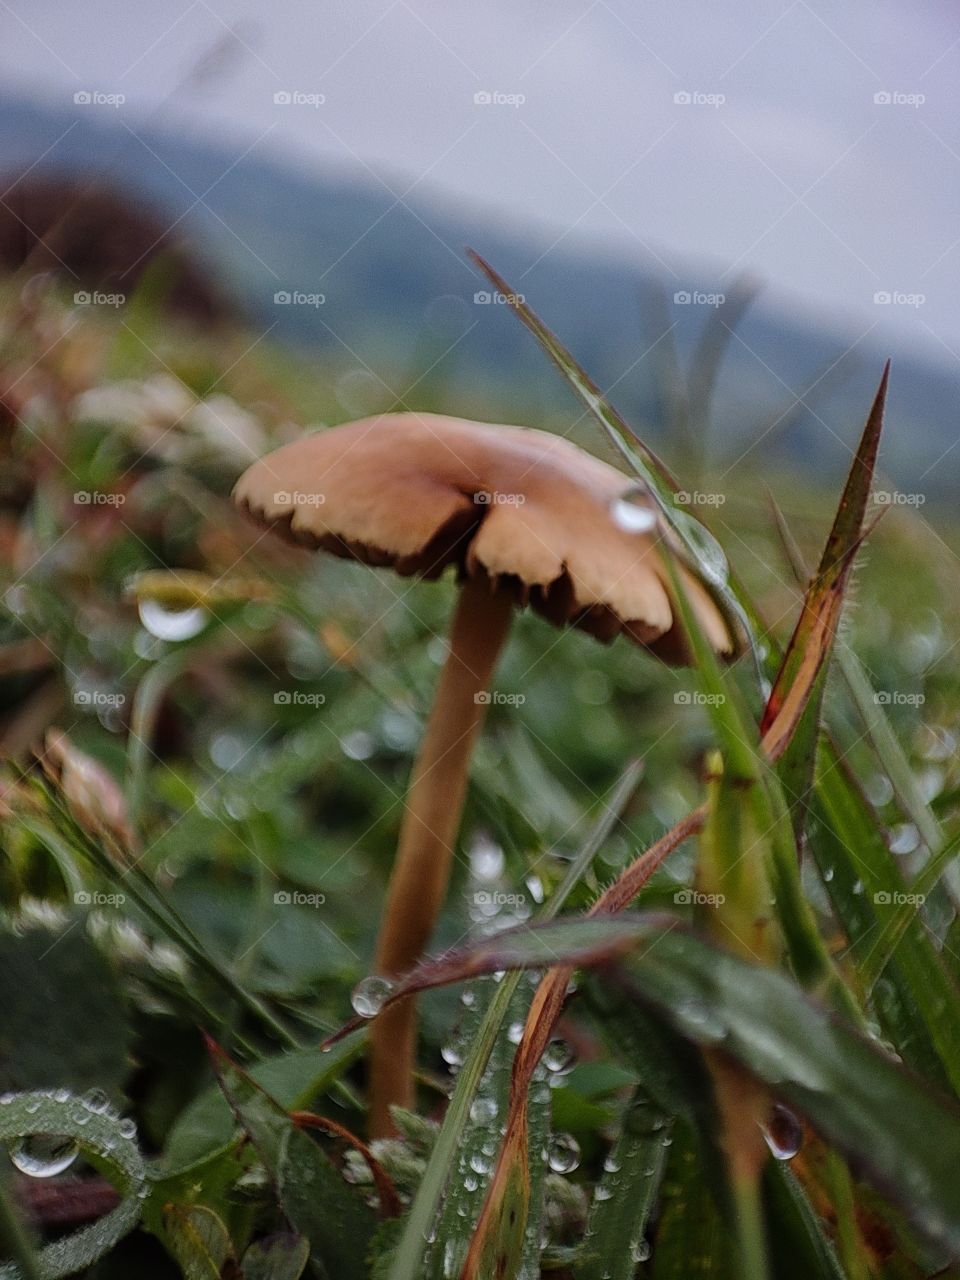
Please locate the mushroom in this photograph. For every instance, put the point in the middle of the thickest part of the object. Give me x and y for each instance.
(526, 517)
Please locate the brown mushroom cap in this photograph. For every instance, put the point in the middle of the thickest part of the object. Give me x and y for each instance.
(420, 491)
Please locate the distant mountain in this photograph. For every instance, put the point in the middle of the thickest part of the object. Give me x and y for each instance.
(398, 291)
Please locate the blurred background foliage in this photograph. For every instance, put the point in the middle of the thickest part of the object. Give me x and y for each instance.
(239, 726)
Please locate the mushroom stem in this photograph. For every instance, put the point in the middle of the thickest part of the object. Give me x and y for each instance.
(431, 821)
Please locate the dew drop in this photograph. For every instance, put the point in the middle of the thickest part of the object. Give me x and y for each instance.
(905, 839)
(452, 1055)
(563, 1154)
(96, 1101)
(784, 1133)
(369, 994)
(43, 1155)
(172, 624)
(640, 1251)
(559, 1058)
(483, 1110)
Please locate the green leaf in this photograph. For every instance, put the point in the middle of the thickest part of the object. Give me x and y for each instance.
(198, 1241)
(316, 1200)
(293, 1079)
(85, 1045)
(279, 1257)
(323, 1208)
(103, 1139)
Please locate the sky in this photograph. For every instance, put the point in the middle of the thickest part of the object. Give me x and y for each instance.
(813, 145)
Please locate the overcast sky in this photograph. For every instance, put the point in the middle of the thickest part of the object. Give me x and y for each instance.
(783, 160)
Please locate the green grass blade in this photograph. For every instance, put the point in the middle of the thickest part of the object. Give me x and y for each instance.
(408, 1260)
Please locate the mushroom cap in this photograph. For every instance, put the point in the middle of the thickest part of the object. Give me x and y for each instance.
(528, 509)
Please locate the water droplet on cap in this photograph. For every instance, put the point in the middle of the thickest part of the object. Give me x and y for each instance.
(633, 511)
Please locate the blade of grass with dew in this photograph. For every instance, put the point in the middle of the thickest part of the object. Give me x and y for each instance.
(408, 1260)
(875, 720)
(808, 953)
(882, 951)
(464, 1192)
(675, 1073)
(624, 1199)
(848, 846)
(690, 1238)
(865, 1104)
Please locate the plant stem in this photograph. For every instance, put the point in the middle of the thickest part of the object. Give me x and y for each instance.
(421, 870)
(750, 1233)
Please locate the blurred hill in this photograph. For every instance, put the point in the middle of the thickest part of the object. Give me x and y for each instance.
(329, 261)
